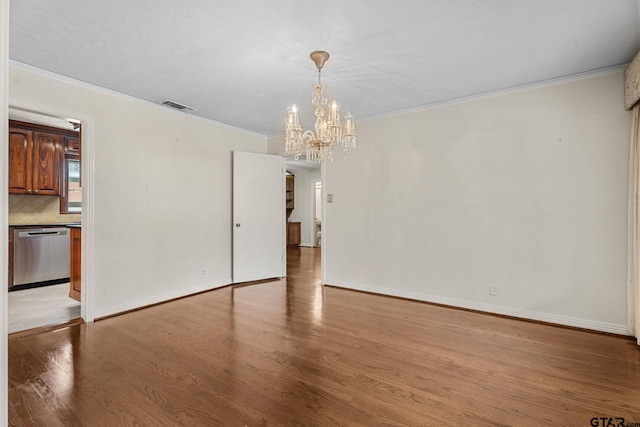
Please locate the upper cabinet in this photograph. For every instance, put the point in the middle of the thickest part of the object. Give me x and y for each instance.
(47, 161)
(289, 195)
(35, 159)
(72, 145)
(20, 161)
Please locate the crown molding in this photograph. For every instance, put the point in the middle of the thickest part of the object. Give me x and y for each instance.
(105, 91)
(500, 92)
(439, 104)
(486, 95)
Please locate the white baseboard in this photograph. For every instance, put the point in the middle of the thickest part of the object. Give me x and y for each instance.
(488, 308)
(132, 305)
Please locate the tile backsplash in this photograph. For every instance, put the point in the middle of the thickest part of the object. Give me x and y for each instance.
(30, 209)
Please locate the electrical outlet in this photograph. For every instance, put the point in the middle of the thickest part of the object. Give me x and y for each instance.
(203, 273)
(493, 290)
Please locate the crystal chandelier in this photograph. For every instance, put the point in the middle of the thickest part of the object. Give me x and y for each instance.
(329, 131)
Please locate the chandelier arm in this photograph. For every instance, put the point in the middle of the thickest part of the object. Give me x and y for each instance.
(308, 136)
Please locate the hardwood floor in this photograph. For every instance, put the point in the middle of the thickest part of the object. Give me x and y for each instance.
(291, 352)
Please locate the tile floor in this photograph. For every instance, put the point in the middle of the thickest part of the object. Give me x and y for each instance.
(45, 306)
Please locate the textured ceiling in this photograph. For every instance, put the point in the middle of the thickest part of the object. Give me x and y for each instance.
(243, 62)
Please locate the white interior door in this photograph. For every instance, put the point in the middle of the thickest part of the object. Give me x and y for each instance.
(258, 217)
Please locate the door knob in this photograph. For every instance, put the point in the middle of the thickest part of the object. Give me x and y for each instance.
(237, 224)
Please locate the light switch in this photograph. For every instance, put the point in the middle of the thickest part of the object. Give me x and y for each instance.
(329, 198)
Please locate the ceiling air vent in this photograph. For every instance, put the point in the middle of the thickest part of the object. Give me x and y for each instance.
(177, 105)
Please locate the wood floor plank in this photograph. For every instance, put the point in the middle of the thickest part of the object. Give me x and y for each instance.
(294, 353)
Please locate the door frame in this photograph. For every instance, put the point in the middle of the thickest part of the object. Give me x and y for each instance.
(323, 211)
(4, 207)
(314, 207)
(88, 195)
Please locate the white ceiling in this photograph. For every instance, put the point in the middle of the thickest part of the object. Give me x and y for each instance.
(243, 62)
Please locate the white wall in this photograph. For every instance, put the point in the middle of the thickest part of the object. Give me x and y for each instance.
(304, 194)
(162, 192)
(526, 190)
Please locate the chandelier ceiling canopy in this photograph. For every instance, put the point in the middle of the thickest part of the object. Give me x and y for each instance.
(329, 131)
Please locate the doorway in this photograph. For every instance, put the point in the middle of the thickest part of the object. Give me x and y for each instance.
(47, 303)
(307, 209)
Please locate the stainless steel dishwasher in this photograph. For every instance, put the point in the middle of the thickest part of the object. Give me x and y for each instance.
(40, 255)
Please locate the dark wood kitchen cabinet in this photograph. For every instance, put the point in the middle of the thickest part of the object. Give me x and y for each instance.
(289, 192)
(35, 158)
(75, 262)
(293, 234)
(72, 145)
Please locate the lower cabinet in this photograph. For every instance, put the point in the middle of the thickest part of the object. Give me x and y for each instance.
(75, 262)
(293, 233)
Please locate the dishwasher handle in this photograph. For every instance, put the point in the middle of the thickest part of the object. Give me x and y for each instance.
(24, 234)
